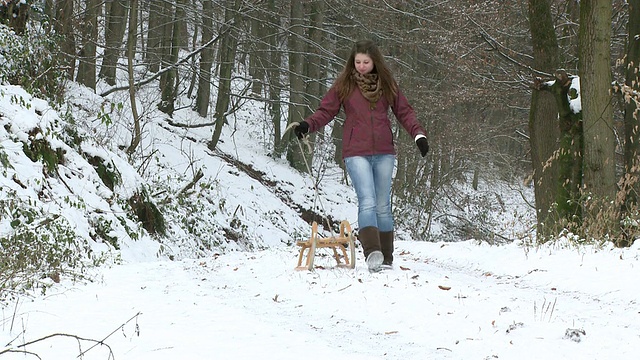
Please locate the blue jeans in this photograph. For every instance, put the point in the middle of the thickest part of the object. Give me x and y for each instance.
(371, 177)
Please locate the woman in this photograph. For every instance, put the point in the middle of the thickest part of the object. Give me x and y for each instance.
(366, 89)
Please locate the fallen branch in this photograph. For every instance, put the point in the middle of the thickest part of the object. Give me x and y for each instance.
(21, 349)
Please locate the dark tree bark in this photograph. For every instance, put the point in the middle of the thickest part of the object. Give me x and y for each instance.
(203, 94)
(631, 181)
(15, 14)
(166, 42)
(569, 156)
(273, 77)
(258, 58)
(89, 34)
(131, 52)
(296, 36)
(155, 33)
(114, 33)
(597, 111)
(314, 59)
(174, 41)
(63, 24)
(543, 114)
(228, 48)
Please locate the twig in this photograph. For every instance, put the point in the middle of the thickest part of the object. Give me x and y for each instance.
(24, 345)
(187, 187)
(13, 317)
(101, 342)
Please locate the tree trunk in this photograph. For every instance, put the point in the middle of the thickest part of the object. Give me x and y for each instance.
(49, 12)
(87, 66)
(543, 114)
(258, 58)
(15, 13)
(155, 33)
(63, 25)
(166, 42)
(169, 80)
(203, 95)
(597, 111)
(569, 157)
(273, 74)
(295, 155)
(227, 61)
(114, 33)
(631, 183)
(131, 52)
(315, 85)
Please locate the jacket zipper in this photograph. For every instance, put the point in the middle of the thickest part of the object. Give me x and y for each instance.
(372, 107)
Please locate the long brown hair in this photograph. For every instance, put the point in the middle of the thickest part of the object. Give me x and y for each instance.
(345, 84)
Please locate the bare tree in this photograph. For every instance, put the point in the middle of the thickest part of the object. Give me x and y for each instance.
(89, 37)
(131, 52)
(543, 114)
(296, 47)
(203, 94)
(228, 47)
(597, 111)
(273, 72)
(63, 25)
(114, 33)
(630, 184)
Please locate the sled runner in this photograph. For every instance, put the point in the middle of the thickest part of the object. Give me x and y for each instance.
(338, 245)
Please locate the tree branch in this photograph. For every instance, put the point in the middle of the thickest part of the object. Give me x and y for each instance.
(227, 28)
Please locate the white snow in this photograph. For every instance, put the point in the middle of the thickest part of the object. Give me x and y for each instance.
(503, 303)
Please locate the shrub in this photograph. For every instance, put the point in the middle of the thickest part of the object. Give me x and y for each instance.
(39, 246)
(31, 61)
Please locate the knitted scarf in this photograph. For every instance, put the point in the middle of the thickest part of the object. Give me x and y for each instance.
(369, 85)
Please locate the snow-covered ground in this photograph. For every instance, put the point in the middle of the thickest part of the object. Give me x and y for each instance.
(441, 301)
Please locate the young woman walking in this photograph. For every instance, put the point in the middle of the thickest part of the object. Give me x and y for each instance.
(366, 90)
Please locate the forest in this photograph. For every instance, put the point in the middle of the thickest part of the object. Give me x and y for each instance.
(491, 81)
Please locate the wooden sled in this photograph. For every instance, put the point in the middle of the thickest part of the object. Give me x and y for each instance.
(340, 242)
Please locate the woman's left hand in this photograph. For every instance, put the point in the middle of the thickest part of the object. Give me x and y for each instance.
(423, 145)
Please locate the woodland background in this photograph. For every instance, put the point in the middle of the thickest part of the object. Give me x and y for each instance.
(490, 80)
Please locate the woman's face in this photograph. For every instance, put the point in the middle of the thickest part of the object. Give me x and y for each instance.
(363, 63)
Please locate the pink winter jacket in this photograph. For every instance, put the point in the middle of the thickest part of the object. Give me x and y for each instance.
(367, 129)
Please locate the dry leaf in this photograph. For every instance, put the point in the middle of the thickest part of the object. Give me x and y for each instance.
(442, 287)
(391, 332)
(404, 268)
(55, 276)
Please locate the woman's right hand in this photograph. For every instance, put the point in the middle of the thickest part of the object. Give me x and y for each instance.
(302, 129)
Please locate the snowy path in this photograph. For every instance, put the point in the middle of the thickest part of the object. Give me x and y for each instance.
(254, 305)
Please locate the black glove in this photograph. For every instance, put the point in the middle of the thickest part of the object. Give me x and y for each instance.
(301, 129)
(423, 145)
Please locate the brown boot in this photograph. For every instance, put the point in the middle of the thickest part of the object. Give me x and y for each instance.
(386, 246)
(370, 240)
